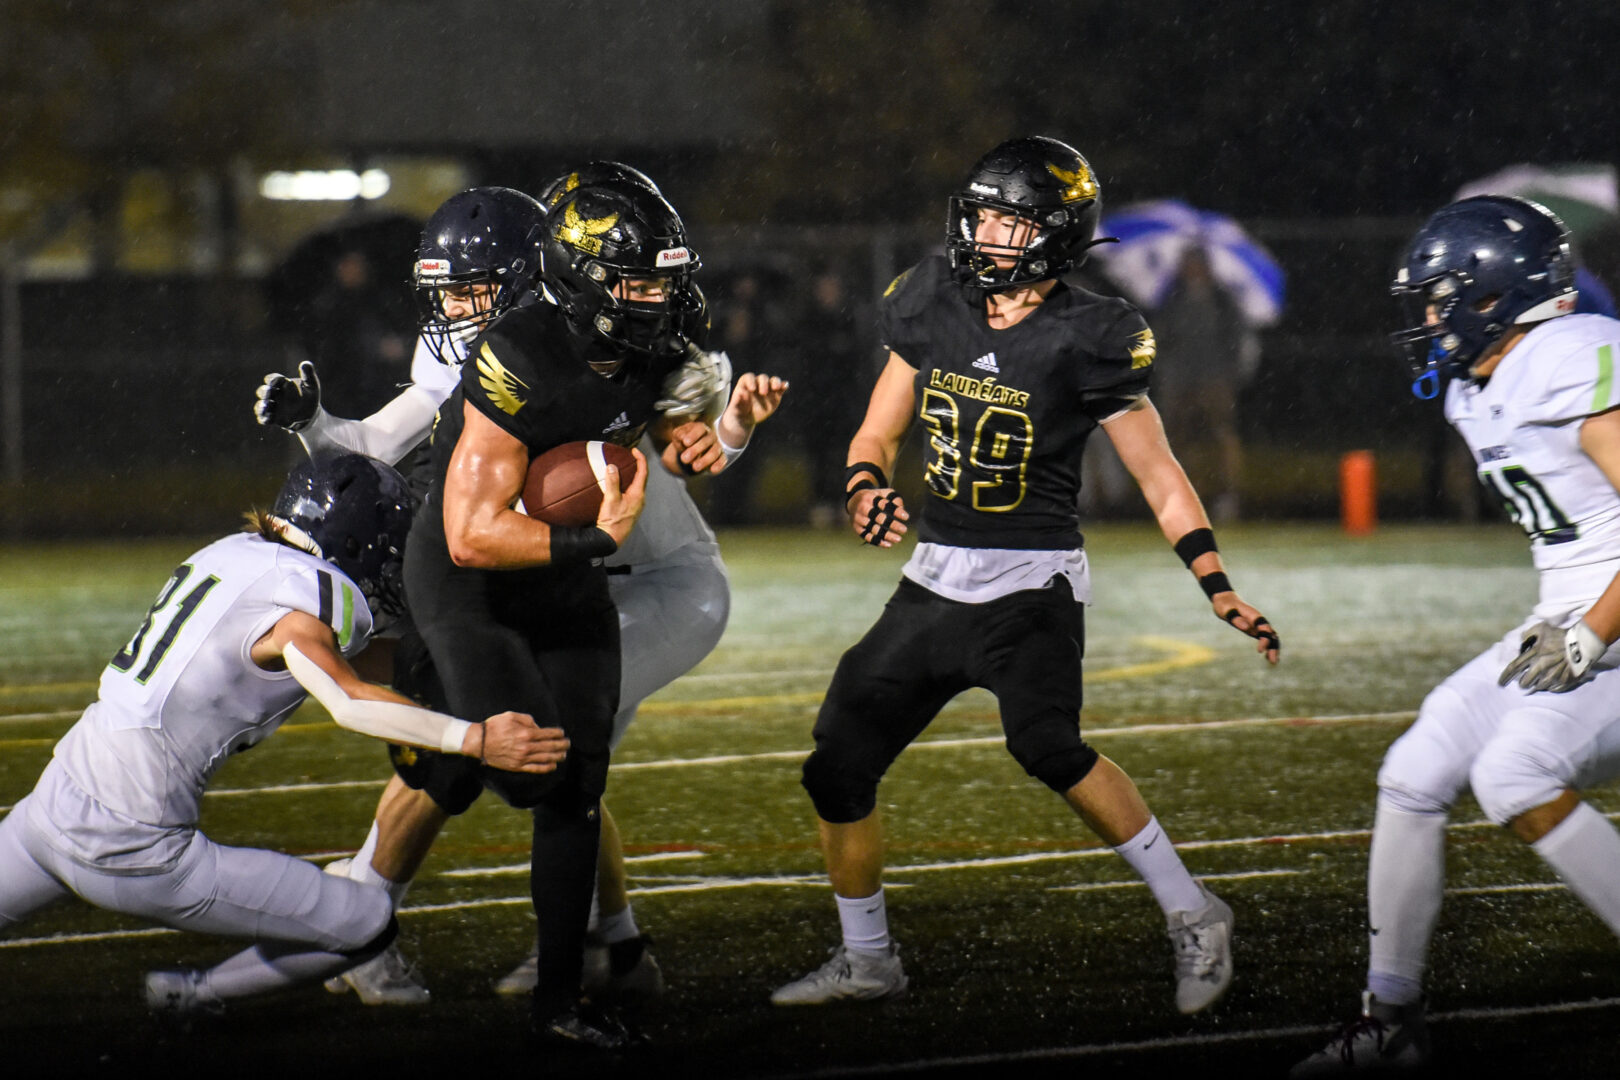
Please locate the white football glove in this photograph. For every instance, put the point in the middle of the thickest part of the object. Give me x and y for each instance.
(1554, 659)
(699, 388)
(286, 402)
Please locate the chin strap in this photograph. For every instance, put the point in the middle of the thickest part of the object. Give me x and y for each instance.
(1426, 387)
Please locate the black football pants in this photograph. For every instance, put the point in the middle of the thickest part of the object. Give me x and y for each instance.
(545, 642)
(924, 649)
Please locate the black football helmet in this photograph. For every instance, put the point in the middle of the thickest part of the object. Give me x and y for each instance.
(594, 172)
(481, 236)
(600, 235)
(692, 307)
(354, 512)
(1037, 178)
(1474, 270)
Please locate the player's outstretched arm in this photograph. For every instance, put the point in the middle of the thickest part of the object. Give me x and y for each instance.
(387, 434)
(877, 514)
(1138, 437)
(305, 645)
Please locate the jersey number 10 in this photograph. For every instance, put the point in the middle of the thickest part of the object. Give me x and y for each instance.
(1528, 503)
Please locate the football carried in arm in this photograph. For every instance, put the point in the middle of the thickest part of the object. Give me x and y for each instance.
(563, 486)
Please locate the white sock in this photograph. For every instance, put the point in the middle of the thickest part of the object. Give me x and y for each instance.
(865, 921)
(1154, 858)
(1584, 849)
(270, 966)
(1406, 876)
(361, 870)
(620, 926)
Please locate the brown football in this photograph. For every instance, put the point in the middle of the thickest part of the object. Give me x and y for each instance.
(562, 489)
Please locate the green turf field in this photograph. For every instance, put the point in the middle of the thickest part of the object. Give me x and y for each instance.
(1027, 946)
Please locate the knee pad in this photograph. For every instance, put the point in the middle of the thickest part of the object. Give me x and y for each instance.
(1053, 752)
(841, 794)
(452, 781)
(1512, 776)
(376, 945)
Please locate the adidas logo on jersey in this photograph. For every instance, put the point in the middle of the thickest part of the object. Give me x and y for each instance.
(987, 362)
(619, 424)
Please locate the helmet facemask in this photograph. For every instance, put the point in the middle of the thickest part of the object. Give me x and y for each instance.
(1040, 180)
(447, 337)
(603, 238)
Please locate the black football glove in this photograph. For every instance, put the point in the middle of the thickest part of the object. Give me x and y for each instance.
(286, 402)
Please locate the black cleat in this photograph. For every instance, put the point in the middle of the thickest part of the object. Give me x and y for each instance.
(584, 1025)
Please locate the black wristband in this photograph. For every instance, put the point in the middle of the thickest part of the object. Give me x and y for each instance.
(579, 543)
(1196, 543)
(858, 468)
(1214, 583)
(859, 485)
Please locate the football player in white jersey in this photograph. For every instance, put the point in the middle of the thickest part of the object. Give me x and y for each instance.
(1534, 718)
(478, 259)
(242, 632)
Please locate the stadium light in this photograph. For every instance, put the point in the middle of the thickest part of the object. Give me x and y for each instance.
(335, 184)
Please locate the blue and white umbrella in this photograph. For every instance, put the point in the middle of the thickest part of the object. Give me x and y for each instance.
(1155, 236)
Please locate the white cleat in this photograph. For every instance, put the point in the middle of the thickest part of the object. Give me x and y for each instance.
(386, 979)
(849, 975)
(522, 979)
(180, 994)
(1203, 943)
(1384, 1038)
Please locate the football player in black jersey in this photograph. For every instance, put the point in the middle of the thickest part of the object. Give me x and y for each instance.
(1009, 370)
(515, 610)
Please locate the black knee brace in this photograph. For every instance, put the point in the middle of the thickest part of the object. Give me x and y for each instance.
(452, 781)
(1053, 752)
(841, 794)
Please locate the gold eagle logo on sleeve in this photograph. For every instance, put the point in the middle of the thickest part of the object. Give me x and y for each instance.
(584, 233)
(501, 385)
(1077, 183)
(1143, 348)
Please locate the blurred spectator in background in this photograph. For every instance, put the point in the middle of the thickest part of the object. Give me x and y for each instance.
(1207, 287)
(1207, 352)
(752, 324)
(833, 378)
(360, 333)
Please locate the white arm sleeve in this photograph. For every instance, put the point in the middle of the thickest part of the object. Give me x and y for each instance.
(387, 434)
(382, 719)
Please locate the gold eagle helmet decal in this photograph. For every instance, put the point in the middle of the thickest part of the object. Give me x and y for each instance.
(568, 185)
(584, 233)
(1143, 348)
(501, 385)
(1077, 183)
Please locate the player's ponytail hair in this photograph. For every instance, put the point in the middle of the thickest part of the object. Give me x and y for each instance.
(262, 524)
(280, 531)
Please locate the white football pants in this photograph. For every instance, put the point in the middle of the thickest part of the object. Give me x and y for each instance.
(211, 889)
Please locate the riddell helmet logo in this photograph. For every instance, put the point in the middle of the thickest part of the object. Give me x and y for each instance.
(984, 189)
(432, 268)
(674, 257)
